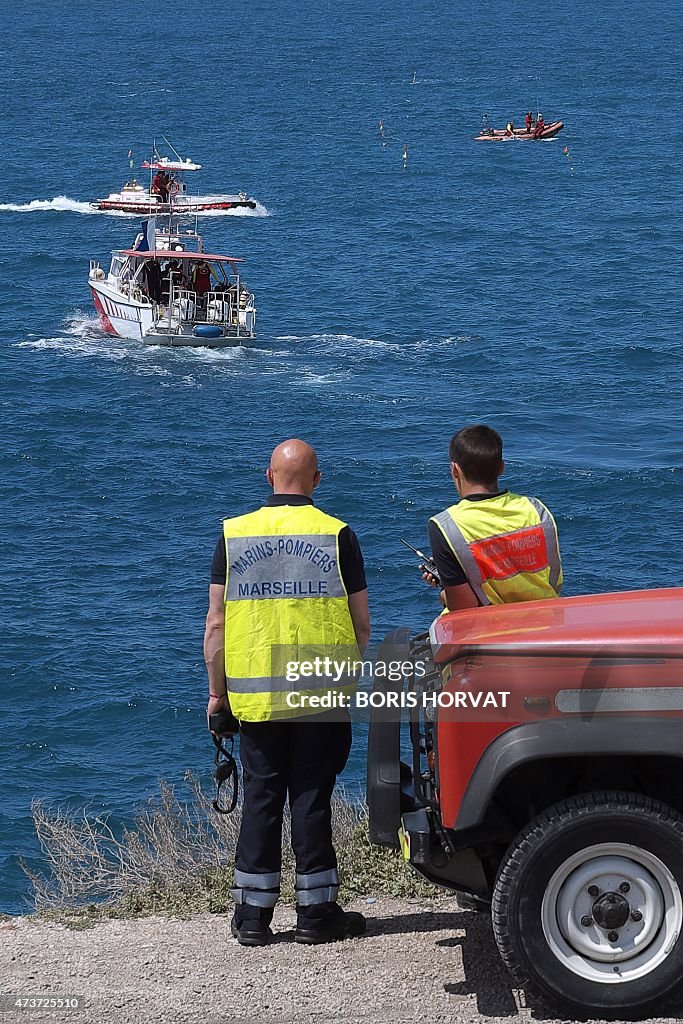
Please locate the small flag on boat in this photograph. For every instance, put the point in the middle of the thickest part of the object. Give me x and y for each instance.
(147, 241)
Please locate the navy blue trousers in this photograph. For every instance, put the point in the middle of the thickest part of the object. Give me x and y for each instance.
(297, 759)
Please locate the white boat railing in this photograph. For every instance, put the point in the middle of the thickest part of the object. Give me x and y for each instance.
(211, 307)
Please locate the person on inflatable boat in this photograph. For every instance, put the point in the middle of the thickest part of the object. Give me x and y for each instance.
(540, 127)
(528, 121)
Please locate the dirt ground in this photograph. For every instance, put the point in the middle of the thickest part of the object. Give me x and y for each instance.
(420, 961)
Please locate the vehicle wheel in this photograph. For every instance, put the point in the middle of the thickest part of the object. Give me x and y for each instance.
(587, 908)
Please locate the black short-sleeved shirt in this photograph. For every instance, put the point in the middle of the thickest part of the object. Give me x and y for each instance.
(351, 565)
(450, 570)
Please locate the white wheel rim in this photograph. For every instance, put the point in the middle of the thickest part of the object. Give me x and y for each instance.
(629, 882)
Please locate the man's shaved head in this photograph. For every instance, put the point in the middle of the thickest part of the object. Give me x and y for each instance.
(293, 468)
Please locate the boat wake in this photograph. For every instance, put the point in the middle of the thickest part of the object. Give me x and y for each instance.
(343, 342)
(240, 211)
(81, 336)
(63, 204)
(60, 204)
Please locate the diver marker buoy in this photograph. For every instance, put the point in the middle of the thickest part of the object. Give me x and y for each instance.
(207, 331)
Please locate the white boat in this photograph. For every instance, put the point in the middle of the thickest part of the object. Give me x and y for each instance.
(166, 290)
(167, 191)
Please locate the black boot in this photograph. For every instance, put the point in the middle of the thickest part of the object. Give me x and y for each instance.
(326, 922)
(250, 925)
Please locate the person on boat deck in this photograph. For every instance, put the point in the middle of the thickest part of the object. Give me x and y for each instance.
(540, 127)
(528, 121)
(509, 129)
(172, 271)
(180, 277)
(160, 185)
(152, 275)
(201, 277)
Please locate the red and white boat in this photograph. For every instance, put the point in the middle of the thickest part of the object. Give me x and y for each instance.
(519, 134)
(165, 290)
(172, 197)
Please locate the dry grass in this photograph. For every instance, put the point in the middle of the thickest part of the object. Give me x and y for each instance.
(177, 859)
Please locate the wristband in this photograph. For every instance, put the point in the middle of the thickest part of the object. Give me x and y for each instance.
(218, 696)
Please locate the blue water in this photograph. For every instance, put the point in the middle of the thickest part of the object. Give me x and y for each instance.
(495, 283)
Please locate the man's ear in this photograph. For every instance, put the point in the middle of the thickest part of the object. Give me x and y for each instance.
(457, 475)
(502, 467)
(269, 476)
(317, 478)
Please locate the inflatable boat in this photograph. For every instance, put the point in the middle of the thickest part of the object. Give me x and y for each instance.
(520, 134)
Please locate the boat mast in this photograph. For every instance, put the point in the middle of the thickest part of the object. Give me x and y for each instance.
(170, 197)
(172, 148)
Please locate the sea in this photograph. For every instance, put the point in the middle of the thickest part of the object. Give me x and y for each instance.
(536, 287)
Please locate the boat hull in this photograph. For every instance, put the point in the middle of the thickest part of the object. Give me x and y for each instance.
(122, 318)
(189, 341)
(148, 209)
(126, 317)
(522, 135)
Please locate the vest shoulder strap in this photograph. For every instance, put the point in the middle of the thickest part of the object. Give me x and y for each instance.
(449, 528)
(312, 519)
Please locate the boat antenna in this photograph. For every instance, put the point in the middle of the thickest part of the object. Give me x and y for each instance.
(172, 148)
(151, 172)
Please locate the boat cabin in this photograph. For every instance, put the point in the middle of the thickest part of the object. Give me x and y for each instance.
(166, 276)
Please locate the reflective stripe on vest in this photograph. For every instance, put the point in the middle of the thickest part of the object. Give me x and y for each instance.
(285, 601)
(507, 546)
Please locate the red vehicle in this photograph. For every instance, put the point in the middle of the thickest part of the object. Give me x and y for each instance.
(547, 784)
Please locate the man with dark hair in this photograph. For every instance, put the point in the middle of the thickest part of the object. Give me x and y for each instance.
(493, 546)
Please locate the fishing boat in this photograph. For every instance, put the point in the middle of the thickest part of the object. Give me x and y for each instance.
(165, 290)
(519, 134)
(167, 191)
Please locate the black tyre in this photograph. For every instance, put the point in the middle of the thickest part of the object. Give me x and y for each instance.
(588, 906)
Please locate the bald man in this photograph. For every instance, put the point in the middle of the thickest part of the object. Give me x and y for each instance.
(286, 578)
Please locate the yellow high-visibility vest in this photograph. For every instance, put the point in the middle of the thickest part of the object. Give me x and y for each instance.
(507, 546)
(285, 603)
